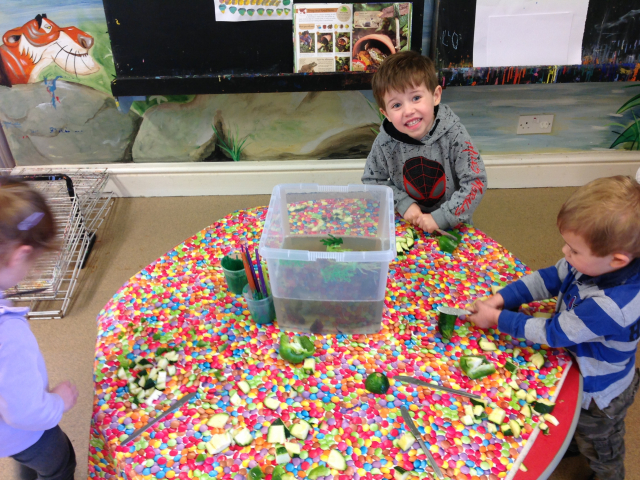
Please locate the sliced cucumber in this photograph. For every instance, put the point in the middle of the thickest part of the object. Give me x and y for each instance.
(537, 359)
(218, 443)
(282, 456)
(544, 428)
(521, 394)
(526, 411)
(406, 441)
(171, 370)
(244, 387)
(161, 386)
(163, 363)
(468, 410)
(122, 373)
(243, 437)
(236, 400)
(410, 241)
(309, 365)
(516, 352)
(515, 428)
(551, 419)
(172, 356)
(514, 385)
(271, 402)
(336, 460)
(497, 416)
(319, 471)
(492, 427)
(467, 420)
(532, 396)
(505, 428)
(482, 402)
(510, 366)
(300, 430)
(522, 468)
(543, 406)
(400, 473)
(294, 449)
(219, 420)
(478, 411)
(486, 345)
(508, 392)
(153, 374)
(162, 377)
(276, 434)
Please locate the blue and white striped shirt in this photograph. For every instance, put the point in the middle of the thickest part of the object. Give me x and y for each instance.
(596, 320)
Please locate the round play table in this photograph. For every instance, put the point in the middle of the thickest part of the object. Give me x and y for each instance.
(179, 306)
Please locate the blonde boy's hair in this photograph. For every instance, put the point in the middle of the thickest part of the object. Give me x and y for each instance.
(402, 71)
(606, 214)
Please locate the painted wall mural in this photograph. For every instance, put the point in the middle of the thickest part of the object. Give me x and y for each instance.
(56, 106)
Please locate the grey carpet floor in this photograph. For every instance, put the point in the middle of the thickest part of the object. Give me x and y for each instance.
(140, 230)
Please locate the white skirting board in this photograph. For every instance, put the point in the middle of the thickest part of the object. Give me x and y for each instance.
(249, 178)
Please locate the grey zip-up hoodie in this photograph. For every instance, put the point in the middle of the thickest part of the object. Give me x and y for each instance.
(443, 172)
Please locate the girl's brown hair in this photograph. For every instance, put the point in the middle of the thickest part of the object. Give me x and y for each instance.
(19, 202)
(606, 214)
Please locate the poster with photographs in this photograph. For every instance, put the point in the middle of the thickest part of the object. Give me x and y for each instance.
(250, 10)
(322, 34)
(379, 30)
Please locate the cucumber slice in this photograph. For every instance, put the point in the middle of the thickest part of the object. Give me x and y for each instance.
(532, 396)
(161, 386)
(543, 406)
(219, 420)
(172, 356)
(155, 395)
(163, 363)
(508, 392)
(468, 410)
(486, 345)
(287, 476)
(522, 468)
(467, 420)
(521, 394)
(497, 416)
(271, 402)
(244, 387)
(505, 428)
(516, 352)
(282, 456)
(171, 370)
(148, 384)
(276, 434)
(336, 460)
(526, 411)
(492, 427)
(544, 428)
(122, 373)
(482, 402)
(410, 241)
(294, 449)
(478, 411)
(510, 366)
(515, 428)
(400, 473)
(514, 385)
(320, 471)
(301, 430)
(537, 359)
(309, 365)
(399, 251)
(551, 419)
(218, 443)
(153, 374)
(162, 377)
(243, 437)
(406, 441)
(236, 400)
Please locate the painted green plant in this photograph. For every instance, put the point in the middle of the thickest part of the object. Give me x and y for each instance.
(232, 145)
(631, 132)
(381, 117)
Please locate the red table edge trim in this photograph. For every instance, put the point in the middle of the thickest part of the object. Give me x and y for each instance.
(567, 441)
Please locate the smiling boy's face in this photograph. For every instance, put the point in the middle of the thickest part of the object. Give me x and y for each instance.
(412, 111)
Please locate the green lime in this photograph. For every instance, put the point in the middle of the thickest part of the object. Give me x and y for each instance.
(377, 383)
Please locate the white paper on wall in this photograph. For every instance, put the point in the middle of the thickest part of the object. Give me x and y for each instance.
(528, 32)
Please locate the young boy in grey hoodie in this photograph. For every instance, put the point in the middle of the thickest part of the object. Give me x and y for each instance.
(423, 152)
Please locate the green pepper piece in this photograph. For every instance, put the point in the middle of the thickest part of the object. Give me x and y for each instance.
(278, 472)
(448, 244)
(476, 366)
(446, 325)
(295, 350)
(318, 472)
(256, 473)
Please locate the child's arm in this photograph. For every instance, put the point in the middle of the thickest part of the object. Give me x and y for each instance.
(376, 173)
(472, 179)
(539, 285)
(24, 401)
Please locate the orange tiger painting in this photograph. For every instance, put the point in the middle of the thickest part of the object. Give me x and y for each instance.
(27, 50)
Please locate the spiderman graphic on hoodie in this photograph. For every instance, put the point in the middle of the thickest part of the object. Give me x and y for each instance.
(442, 172)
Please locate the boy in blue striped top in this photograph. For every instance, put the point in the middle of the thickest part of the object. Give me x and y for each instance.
(597, 315)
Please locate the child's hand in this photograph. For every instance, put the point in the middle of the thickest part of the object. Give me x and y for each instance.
(426, 222)
(486, 313)
(412, 213)
(68, 392)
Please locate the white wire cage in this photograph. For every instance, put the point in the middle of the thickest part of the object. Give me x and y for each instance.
(79, 205)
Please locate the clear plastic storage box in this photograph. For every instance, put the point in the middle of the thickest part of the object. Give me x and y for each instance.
(334, 288)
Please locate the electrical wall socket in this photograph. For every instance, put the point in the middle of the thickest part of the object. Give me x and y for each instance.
(533, 124)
